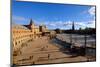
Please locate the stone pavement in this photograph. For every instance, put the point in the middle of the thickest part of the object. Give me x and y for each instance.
(41, 51)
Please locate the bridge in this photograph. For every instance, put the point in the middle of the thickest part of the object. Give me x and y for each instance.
(88, 42)
(77, 40)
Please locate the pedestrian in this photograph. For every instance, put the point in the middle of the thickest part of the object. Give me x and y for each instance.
(33, 62)
(48, 56)
(31, 57)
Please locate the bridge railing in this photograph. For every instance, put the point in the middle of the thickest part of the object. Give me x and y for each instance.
(85, 41)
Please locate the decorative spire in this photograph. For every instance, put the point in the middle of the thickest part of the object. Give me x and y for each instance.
(31, 22)
(73, 26)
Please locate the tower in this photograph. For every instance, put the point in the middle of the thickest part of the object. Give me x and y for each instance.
(42, 28)
(31, 22)
(32, 25)
(73, 26)
(32, 28)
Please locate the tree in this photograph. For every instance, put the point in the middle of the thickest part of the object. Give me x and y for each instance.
(57, 30)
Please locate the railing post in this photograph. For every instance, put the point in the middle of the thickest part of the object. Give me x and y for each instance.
(85, 38)
(71, 38)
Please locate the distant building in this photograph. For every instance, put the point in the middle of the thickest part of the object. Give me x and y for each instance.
(73, 26)
(43, 28)
(21, 34)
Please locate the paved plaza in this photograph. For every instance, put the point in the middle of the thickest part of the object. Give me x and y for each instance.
(43, 50)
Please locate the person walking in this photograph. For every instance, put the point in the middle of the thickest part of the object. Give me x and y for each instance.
(48, 56)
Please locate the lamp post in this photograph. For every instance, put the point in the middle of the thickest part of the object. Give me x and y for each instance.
(72, 30)
(85, 38)
(71, 38)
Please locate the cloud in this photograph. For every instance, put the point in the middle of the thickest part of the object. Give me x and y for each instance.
(68, 24)
(18, 18)
(86, 24)
(52, 24)
(92, 11)
(91, 24)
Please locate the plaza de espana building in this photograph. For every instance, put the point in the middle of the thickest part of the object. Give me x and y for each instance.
(22, 34)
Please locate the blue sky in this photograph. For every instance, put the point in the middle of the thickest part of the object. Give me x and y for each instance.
(53, 15)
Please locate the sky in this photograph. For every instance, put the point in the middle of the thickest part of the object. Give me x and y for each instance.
(53, 15)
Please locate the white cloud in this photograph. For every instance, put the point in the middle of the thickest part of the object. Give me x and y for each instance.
(92, 11)
(86, 24)
(91, 24)
(52, 24)
(82, 24)
(18, 18)
(66, 24)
